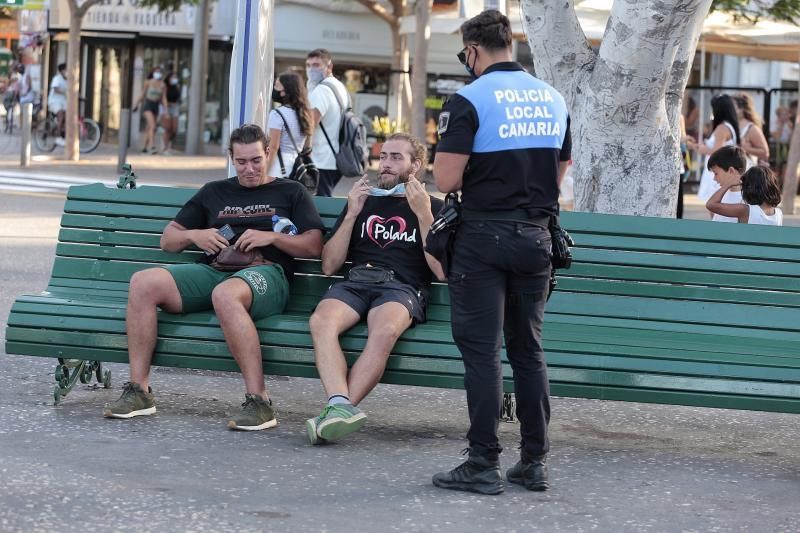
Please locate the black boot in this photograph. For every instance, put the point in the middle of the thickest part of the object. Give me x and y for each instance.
(531, 474)
(479, 473)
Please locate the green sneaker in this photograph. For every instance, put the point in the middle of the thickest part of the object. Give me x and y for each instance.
(337, 421)
(256, 414)
(311, 430)
(133, 402)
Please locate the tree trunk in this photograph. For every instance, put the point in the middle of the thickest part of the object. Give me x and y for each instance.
(73, 86)
(197, 86)
(419, 77)
(790, 174)
(399, 79)
(622, 100)
(76, 14)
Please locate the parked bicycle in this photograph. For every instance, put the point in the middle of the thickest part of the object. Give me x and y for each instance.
(47, 132)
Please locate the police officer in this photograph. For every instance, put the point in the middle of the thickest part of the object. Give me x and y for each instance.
(505, 144)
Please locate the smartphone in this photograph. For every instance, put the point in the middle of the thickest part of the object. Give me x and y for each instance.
(227, 232)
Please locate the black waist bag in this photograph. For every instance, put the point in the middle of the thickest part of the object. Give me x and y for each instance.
(370, 274)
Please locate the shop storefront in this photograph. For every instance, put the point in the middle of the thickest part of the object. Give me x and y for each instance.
(122, 43)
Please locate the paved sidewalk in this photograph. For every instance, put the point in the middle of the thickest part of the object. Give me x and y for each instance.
(615, 466)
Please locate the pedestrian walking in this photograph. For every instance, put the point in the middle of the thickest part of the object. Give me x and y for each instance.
(154, 95)
(325, 93)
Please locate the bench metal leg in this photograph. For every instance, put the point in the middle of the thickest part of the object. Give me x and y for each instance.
(69, 371)
(508, 411)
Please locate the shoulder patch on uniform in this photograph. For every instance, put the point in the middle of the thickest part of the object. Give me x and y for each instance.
(444, 121)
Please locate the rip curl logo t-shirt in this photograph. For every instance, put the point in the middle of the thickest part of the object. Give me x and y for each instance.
(386, 234)
(226, 202)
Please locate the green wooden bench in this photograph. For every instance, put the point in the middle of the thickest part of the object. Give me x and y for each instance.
(653, 310)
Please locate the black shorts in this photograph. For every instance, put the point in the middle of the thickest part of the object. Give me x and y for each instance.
(150, 105)
(364, 296)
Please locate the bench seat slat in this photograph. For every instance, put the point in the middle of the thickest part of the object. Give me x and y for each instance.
(730, 342)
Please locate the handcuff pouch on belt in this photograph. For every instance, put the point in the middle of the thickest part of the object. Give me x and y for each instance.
(370, 274)
(442, 235)
(561, 256)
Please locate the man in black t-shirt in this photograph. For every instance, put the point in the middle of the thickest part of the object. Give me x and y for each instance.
(247, 203)
(382, 235)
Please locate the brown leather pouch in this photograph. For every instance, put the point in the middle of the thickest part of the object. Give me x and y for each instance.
(231, 259)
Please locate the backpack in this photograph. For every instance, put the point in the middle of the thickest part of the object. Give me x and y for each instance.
(351, 160)
(303, 169)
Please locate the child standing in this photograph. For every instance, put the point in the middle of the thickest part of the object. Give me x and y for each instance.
(727, 164)
(760, 193)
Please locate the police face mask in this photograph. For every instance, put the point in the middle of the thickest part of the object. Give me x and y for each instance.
(462, 58)
(397, 190)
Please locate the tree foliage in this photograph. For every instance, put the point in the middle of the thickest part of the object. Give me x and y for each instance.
(753, 10)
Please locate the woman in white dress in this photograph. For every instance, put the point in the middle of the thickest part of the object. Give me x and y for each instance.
(725, 133)
(291, 121)
(754, 143)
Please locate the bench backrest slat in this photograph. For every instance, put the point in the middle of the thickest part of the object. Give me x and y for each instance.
(635, 270)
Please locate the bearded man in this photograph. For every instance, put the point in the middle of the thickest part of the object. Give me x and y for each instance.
(382, 232)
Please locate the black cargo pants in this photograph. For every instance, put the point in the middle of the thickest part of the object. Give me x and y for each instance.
(498, 287)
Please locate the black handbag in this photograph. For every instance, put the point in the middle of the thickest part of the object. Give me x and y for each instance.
(303, 170)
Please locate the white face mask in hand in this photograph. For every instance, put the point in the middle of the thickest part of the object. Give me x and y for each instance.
(397, 190)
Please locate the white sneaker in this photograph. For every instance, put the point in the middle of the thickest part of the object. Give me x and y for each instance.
(60, 141)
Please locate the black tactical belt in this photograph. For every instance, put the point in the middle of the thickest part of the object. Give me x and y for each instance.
(535, 218)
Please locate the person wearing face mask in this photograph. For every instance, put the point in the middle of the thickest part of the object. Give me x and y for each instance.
(289, 125)
(327, 96)
(154, 95)
(169, 119)
(382, 237)
(505, 145)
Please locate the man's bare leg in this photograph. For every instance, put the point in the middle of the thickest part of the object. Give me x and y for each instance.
(331, 319)
(385, 324)
(149, 290)
(232, 300)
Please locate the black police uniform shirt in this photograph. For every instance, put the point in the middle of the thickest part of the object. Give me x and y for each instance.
(515, 129)
(226, 202)
(386, 234)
